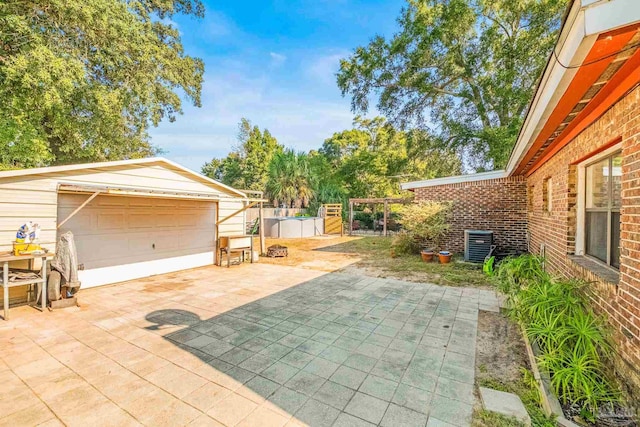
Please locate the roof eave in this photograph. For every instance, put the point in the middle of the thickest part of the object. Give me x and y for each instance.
(119, 163)
(584, 22)
(474, 177)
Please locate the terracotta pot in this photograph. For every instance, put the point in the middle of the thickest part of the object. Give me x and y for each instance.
(445, 257)
(426, 255)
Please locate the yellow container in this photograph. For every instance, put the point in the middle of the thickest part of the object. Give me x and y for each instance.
(25, 248)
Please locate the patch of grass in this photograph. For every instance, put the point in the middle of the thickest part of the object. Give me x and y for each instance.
(484, 418)
(377, 252)
(529, 395)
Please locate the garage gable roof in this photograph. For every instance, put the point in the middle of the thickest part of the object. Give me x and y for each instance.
(123, 164)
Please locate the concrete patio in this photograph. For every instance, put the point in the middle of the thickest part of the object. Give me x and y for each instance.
(255, 345)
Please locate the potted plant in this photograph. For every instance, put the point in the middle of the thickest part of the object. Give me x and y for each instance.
(426, 254)
(445, 257)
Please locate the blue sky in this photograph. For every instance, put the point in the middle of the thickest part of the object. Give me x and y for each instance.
(274, 62)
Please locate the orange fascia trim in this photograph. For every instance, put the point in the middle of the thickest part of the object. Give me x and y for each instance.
(600, 149)
(585, 77)
(623, 81)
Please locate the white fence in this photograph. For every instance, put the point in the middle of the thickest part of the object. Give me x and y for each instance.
(252, 213)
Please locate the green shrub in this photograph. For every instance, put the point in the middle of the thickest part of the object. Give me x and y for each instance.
(366, 219)
(405, 244)
(516, 272)
(573, 341)
(427, 221)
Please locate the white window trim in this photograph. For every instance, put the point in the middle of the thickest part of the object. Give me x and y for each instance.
(582, 195)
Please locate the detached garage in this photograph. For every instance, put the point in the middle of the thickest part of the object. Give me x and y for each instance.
(130, 219)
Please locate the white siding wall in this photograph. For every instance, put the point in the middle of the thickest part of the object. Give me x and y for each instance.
(234, 225)
(34, 197)
(23, 200)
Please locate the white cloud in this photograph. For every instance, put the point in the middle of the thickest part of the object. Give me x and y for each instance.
(277, 59)
(301, 115)
(324, 68)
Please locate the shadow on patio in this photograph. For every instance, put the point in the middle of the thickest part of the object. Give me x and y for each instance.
(337, 350)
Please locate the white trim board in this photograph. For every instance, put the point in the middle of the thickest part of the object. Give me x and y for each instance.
(122, 273)
(473, 177)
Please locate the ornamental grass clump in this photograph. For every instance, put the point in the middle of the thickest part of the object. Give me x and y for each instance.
(574, 344)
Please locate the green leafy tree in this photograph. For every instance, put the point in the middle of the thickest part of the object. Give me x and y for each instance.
(327, 185)
(247, 166)
(84, 80)
(290, 182)
(373, 158)
(467, 68)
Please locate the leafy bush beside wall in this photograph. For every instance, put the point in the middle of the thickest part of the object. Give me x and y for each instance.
(425, 222)
(574, 342)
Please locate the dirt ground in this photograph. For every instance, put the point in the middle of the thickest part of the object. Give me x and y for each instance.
(500, 351)
(372, 256)
(314, 253)
(500, 359)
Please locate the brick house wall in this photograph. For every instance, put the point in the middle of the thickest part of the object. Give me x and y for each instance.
(516, 209)
(556, 230)
(497, 205)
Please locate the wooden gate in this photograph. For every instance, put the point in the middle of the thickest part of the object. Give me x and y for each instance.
(333, 218)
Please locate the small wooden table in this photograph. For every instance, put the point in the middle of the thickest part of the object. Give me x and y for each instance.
(6, 259)
(239, 244)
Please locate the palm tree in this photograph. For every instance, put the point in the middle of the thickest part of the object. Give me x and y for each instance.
(289, 180)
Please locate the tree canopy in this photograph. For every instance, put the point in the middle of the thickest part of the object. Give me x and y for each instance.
(465, 69)
(369, 160)
(84, 80)
(290, 182)
(247, 166)
(374, 157)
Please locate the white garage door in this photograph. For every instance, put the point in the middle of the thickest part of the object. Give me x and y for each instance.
(123, 238)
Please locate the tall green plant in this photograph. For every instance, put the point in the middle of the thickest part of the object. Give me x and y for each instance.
(574, 343)
(289, 182)
(516, 272)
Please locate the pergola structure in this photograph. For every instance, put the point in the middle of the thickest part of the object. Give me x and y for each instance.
(386, 201)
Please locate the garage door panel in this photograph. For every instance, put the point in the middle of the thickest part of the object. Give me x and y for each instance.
(110, 220)
(94, 247)
(185, 220)
(166, 220)
(122, 231)
(107, 201)
(84, 220)
(140, 220)
(165, 203)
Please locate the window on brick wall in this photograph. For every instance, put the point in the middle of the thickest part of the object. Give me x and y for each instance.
(530, 194)
(547, 194)
(602, 209)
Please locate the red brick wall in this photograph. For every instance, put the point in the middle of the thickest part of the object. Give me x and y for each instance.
(509, 205)
(498, 205)
(557, 229)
